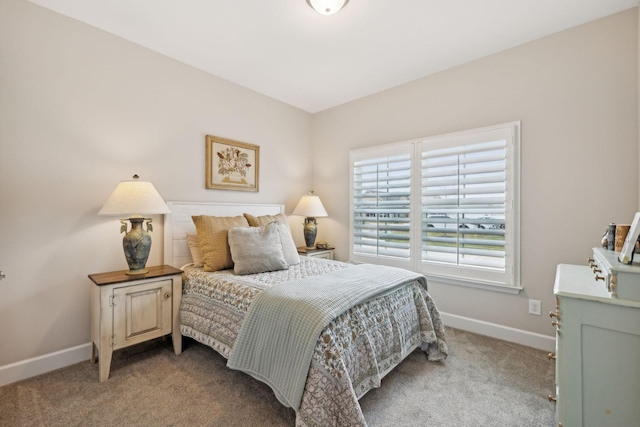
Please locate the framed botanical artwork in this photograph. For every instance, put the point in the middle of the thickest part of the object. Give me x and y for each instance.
(232, 165)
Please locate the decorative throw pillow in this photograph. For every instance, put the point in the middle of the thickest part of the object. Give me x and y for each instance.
(288, 246)
(256, 249)
(212, 237)
(194, 248)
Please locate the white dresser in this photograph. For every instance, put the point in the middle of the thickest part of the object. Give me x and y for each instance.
(597, 348)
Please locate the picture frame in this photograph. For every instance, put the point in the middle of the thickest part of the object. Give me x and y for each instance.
(231, 165)
(626, 254)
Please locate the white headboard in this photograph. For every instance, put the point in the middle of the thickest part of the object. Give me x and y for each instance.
(178, 223)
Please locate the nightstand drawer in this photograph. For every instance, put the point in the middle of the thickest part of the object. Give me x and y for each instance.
(323, 254)
(142, 312)
(316, 253)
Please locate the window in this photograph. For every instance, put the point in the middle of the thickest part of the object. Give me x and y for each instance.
(381, 194)
(444, 205)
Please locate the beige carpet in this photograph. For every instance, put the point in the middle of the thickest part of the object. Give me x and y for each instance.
(484, 382)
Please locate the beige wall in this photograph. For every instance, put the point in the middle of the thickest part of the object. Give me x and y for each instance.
(80, 110)
(576, 95)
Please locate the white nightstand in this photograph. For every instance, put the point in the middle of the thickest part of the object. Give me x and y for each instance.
(316, 253)
(127, 310)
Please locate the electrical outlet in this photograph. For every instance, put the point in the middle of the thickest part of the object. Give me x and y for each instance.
(535, 307)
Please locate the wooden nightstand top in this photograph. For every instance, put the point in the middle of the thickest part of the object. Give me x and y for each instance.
(121, 276)
(304, 250)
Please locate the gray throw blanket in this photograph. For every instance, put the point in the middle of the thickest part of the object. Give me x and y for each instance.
(279, 333)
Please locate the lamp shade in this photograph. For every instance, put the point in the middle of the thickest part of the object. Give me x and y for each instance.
(327, 7)
(134, 197)
(310, 206)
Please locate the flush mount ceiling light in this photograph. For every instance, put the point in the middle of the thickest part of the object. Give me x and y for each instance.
(327, 7)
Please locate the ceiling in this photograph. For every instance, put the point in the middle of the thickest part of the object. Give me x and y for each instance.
(286, 50)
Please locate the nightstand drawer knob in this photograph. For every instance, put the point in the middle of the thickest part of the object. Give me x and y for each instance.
(167, 295)
(551, 356)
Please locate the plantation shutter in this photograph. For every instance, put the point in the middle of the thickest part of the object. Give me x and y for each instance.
(446, 206)
(464, 204)
(381, 202)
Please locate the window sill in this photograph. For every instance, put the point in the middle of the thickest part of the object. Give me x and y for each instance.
(496, 287)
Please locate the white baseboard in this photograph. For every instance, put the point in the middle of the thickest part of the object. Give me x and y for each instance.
(39, 365)
(505, 333)
(48, 362)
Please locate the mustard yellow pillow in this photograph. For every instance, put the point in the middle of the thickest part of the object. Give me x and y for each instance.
(265, 219)
(194, 248)
(213, 239)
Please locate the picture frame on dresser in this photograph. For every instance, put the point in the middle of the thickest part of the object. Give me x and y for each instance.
(626, 254)
(232, 165)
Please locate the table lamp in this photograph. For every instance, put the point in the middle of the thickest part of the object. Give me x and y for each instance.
(310, 207)
(135, 198)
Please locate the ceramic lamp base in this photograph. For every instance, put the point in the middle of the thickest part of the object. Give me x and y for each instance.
(137, 244)
(310, 229)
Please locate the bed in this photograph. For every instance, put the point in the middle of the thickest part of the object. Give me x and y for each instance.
(325, 354)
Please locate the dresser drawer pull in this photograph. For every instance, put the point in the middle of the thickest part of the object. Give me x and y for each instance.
(556, 324)
(551, 356)
(599, 277)
(552, 399)
(597, 270)
(553, 314)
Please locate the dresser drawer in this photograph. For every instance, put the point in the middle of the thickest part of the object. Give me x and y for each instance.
(620, 280)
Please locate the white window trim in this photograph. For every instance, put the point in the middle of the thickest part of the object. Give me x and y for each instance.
(415, 263)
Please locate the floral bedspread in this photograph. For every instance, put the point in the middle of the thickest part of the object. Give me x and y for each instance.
(353, 352)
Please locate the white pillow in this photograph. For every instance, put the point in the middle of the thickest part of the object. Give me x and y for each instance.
(288, 245)
(256, 249)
